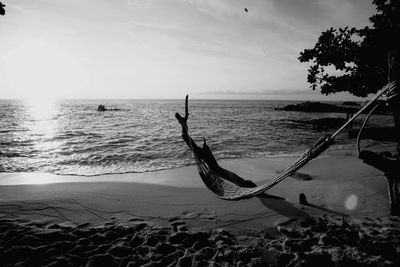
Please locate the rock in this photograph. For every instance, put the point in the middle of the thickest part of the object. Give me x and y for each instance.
(303, 199)
(101, 108)
(317, 107)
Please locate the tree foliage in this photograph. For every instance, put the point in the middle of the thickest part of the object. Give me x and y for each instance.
(2, 10)
(355, 60)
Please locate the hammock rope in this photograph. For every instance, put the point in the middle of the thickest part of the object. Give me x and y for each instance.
(229, 186)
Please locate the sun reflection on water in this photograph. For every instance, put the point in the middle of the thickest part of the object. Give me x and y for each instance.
(41, 109)
(41, 121)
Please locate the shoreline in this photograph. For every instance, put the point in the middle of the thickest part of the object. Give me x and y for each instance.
(339, 183)
(173, 218)
(153, 177)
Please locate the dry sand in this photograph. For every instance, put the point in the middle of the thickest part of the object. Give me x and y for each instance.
(168, 217)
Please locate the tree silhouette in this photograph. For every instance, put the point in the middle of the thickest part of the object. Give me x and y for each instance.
(361, 61)
(358, 61)
(2, 10)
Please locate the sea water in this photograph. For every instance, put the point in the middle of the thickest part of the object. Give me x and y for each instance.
(72, 137)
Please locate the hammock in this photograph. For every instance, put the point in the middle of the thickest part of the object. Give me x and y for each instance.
(228, 185)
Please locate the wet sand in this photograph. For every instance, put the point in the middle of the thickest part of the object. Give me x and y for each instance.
(173, 219)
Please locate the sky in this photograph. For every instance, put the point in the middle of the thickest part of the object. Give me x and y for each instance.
(148, 49)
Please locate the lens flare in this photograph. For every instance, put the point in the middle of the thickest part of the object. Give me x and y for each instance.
(351, 202)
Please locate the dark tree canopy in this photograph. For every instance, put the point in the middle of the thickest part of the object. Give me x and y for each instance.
(2, 10)
(356, 60)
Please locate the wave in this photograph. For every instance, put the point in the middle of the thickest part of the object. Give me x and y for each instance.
(13, 130)
(146, 137)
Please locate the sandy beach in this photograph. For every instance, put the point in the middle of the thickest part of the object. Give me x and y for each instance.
(174, 219)
(145, 133)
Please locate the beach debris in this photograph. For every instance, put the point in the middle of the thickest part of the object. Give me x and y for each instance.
(301, 176)
(303, 199)
(230, 186)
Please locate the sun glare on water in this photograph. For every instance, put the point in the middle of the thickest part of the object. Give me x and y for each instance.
(40, 109)
(41, 121)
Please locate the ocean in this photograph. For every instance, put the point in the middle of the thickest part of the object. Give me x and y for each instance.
(71, 137)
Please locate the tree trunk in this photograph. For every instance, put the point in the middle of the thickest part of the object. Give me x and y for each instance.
(394, 75)
(390, 167)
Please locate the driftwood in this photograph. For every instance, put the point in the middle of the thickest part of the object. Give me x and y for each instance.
(205, 153)
(228, 185)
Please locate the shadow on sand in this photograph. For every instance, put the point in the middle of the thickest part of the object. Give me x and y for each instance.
(288, 209)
